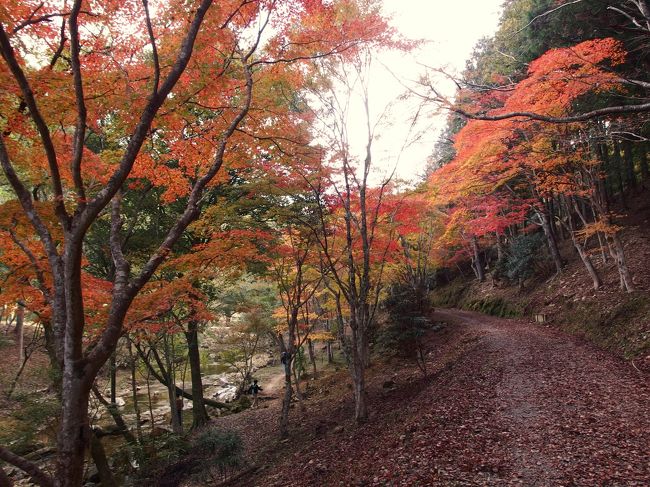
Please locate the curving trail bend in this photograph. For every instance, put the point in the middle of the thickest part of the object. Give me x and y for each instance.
(504, 402)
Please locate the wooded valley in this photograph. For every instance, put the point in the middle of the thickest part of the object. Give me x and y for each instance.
(208, 275)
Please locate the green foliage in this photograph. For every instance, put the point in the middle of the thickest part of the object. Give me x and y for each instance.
(528, 29)
(300, 362)
(204, 358)
(443, 149)
(400, 337)
(407, 322)
(500, 269)
(494, 307)
(150, 216)
(241, 404)
(5, 341)
(220, 448)
(157, 455)
(451, 295)
(36, 414)
(525, 255)
(35, 409)
(622, 328)
(247, 294)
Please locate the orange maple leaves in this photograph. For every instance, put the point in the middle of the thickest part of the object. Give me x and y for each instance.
(502, 166)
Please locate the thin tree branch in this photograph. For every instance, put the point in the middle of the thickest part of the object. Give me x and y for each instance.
(26, 202)
(82, 114)
(154, 49)
(544, 14)
(36, 474)
(40, 276)
(59, 50)
(9, 57)
(581, 117)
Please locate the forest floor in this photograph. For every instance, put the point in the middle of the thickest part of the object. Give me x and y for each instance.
(504, 402)
(19, 413)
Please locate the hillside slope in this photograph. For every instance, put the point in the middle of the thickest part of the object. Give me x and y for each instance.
(611, 318)
(504, 402)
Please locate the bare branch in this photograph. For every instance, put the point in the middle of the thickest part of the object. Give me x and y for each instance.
(59, 50)
(235, 12)
(32, 19)
(544, 14)
(36, 474)
(627, 15)
(80, 125)
(154, 49)
(40, 276)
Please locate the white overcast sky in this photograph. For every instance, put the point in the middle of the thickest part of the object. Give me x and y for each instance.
(452, 28)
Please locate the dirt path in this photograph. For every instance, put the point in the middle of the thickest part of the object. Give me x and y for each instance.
(275, 385)
(556, 411)
(505, 402)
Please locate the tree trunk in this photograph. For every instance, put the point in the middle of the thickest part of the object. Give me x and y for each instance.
(550, 211)
(499, 241)
(286, 400)
(199, 413)
(55, 372)
(152, 419)
(312, 355)
(364, 335)
(330, 352)
(20, 333)
(177, 424)
(358, 377)
(345, 345)
(621, 264)
(602, 188)
(601, 244)
(550, 241)
(629, 165)
(112, 365)
(643, 158)
(619, 172)
(476, 260)
(616, 249)
(584, 256)
(99, 457)
(134, 391)
(611, 179)
(296, 379)
(74, 432)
